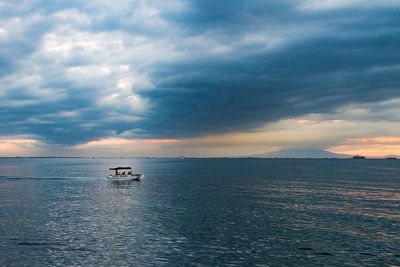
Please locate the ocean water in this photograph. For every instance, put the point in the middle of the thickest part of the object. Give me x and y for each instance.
(200, 212)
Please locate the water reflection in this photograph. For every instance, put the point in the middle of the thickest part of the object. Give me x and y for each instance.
(124, 183)
(203, 212)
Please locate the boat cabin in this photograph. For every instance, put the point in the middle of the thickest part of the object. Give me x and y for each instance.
(118, 170)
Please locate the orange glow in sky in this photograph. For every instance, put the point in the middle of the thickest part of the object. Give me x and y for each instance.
(159, 140)
(12, 147)
(382, 139)
(17, 141)
(123, 141)
(107, 141)
(372, 146)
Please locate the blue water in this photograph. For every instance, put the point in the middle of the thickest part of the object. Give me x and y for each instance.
(200, 212)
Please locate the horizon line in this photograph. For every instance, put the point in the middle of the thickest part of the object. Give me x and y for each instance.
(193, 157)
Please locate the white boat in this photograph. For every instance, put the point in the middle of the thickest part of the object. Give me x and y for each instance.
(123, 173)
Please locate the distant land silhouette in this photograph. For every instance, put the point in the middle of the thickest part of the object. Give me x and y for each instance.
(301, 153)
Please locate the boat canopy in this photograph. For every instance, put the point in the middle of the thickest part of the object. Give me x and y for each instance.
(120, 168)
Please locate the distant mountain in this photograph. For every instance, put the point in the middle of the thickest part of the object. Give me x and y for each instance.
(301, 153)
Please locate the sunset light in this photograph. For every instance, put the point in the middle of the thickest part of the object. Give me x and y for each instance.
(199, 133)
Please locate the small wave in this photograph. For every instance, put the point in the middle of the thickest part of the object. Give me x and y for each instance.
(81, 249)
(305, 248)
(367, 254)
(29, 243)
(64, 247)
(32, 178)
(53, 245)
(44, 178)
(323, 253)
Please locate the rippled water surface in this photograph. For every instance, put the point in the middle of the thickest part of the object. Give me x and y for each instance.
(201, 212)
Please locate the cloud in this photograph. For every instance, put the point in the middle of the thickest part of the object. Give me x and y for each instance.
(124, 147)
(326, 5)
(18, 146)
(73, 72)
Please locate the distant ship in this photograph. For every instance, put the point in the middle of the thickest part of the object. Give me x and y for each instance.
(391, 158)
(358, 157)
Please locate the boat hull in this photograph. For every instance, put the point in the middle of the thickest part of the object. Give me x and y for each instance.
(125, 177)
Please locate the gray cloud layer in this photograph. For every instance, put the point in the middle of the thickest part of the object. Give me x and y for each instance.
(72, 72)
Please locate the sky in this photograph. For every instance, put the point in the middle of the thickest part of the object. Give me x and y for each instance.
(198, 77)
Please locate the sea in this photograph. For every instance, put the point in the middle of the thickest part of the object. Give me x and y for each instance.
(200, 212)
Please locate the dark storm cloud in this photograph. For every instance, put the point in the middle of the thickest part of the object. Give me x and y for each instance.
(238, 65)
(315, 76)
